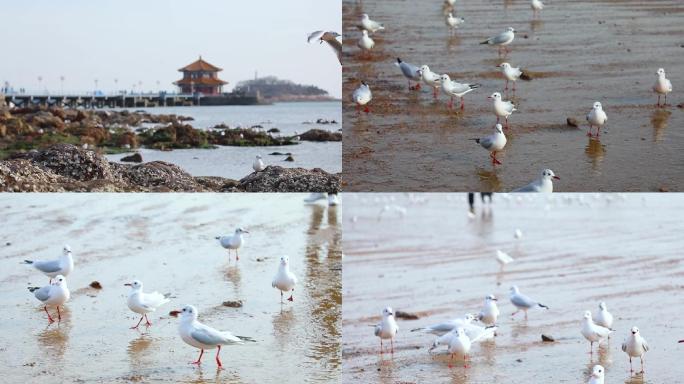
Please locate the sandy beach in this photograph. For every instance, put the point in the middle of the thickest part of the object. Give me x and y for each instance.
(576, 251)
(167, 241)
(578, 52)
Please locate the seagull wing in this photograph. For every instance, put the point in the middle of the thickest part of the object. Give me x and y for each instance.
(43, 293)
(336, 45)
(498, 39)
(644, 344)
(47, 266)
(210, 336)
(314, 35)
(487, 142)
(521, 300)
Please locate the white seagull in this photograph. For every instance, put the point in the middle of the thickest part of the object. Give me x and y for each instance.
(410, 71)
(453, 22)
(502, 39)
(523, 302)
(51, 268)
(366, 23)
(459, 344)
(454, 88)
(143, 303)
(56, 293)
(537, 6)
(597, 374)
(430, 78)
(635, 346)
(365, 42)
(543, 184)
(592, 332)
(284, 280)
(502, 257)
(510, 73)
(329, 38)
(387, 328)
(204, 337)
(234, 242)
(662, 86)
(596, 117)
(493, 143)
(490, 311)
(258, 164)
(603, 317)
(501, 108)
(362, 96)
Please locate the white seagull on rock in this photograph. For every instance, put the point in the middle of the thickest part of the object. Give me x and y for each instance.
(454, 88)
(662, 86)
(362, 96)
(543, 184)
(387, 328)
(51, 268)
(410, 71)
(523, 302)
(57, 293)
(200, 336)
(284, 280)
(233, 242)
(596, 117)
(493, 143)
(143, 303)
(258, 164)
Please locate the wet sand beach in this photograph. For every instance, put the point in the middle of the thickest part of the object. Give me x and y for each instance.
(167, 241)
(576, 251)
(578, 52)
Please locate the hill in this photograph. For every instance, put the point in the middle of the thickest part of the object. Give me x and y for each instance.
(271, 88)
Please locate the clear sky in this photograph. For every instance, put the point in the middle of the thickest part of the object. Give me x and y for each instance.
(149, 40)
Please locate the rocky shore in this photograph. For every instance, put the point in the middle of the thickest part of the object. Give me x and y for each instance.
(23, 129)
(66, 167)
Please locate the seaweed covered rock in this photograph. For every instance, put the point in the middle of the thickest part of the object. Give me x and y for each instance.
(320, 135)
(72, 162)
(279, 179)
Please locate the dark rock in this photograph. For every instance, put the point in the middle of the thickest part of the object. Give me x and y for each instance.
(526, 76)
(663, 189)
(289, 158)
(134, 158)
(572, 122)
(279, 179)
(680, 105)
(233, 303)
(406, 315)
(161, 176)
(547, 338)
(96, 285)
(274, 130)
(320, 135)
(72, 162)
(279, 153)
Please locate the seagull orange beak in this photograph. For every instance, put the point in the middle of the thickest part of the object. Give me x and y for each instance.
(174, 313)
(128, 284)
(556, 177)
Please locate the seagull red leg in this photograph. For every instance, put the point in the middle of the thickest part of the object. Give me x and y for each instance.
(147, 322)
(218, 361)
(48, 313)
(199, 359)
(291, 298)
(462, 104)
(139, 321)
(59, 315)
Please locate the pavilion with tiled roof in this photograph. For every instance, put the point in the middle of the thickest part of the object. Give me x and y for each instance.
(200, 77)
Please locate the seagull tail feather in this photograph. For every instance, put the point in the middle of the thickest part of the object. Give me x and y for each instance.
(27, 262)
(542, 305)
(32, 289)
(246, 338)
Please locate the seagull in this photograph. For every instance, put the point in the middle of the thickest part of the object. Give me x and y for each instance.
(635, 346)
(662, 86)
(144, 303)
(330, 38)
(523, 302)
(453, 22)
(233, 242)
(603, 317)
(453, 88)
(51, 268)
(333, 200)
(510, 73)
(502, 40)
(365, 42)
(474, 332)
(543, 184)
(537, 6)
(502, 108)
(369, 25)
(430, 78)
(503, 258)
(593, 332)
(258, 164)
(460, 343)
(441, 329)
(204, 337)
(284, 280)
(518, 234)
(596, 375)
(410, 71)
(57, 293)
(490, 311)
(596, 117)
(493, 143)
(362, 96)
(387, 328)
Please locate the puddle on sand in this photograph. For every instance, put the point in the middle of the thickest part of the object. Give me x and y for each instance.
(579, 51)
(167, 241)
(576, 250)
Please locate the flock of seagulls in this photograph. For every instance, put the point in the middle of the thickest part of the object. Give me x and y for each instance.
(362, 96)
(459, 334)
(191, 331)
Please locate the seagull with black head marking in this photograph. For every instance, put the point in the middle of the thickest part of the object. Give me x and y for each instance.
(201, 336)
(56, 294)
(410, 72)
(51, 268)
(362, 96)
(544, 184)
(329, 38)
(493, 143)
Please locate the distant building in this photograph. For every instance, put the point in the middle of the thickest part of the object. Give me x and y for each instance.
(200, 77)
